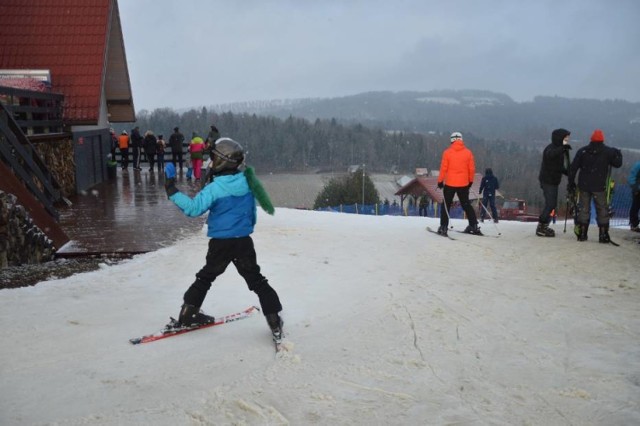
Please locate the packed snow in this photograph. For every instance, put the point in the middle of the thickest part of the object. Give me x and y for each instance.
(386, 324)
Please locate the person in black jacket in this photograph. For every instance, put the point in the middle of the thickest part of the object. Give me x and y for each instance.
(175, 142)
(136, 146)
(594, 163)
(555, 163)
(488, 188)
(150, 147)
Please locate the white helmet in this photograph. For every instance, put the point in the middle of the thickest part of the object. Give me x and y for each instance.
(456, 136)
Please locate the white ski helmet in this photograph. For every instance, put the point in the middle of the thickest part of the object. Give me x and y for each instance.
(456, 136)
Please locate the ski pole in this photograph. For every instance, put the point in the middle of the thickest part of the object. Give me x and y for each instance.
(444, 204)
(566, 217)
(486, 210)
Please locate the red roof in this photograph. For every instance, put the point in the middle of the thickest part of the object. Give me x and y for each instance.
(67, 37)
(429, 185)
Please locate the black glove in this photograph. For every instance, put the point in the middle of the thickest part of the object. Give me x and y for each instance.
(440, 185)
(571, 188)
(170, 186)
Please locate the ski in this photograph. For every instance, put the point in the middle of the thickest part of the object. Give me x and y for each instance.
(175, 329)
(613, 244)
(436, 232)
(478, 235)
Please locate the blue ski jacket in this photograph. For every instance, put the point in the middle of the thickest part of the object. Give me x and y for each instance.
(231, 206)
(634, 177)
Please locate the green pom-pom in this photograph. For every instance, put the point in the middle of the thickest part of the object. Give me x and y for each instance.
(258, 191)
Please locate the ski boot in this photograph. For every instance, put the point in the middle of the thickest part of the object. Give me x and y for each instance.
(472, 229)
(543, 230)
(582, 234)
(604, 234)
(442, 230)
(275, 324)
(192, 316)
(635, 228)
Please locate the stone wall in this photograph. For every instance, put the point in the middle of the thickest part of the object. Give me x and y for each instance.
(21, 241)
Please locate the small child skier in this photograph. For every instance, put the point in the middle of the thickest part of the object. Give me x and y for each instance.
(189, 165)
(231, 201)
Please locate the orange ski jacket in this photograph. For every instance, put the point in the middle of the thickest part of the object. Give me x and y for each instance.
(457, 167)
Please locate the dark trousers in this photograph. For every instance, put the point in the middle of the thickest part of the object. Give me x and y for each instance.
(161, 162)
(241, 252)
(489, 200)
(463, 196)
(550, 193)
(634, 210)
(152, 160)
(584, 208)
(124, 155)
(136, 157)
(176, 158)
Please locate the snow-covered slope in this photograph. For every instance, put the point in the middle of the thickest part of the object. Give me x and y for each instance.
(387, 325)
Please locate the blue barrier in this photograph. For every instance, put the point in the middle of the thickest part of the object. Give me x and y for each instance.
(620, 206)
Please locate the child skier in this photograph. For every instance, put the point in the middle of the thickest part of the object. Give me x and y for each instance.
(231, 201)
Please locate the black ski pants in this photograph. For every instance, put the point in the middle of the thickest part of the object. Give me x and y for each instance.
(463, 196)
(635, 208)
(550, 193)
(584, 208)
(241, 252)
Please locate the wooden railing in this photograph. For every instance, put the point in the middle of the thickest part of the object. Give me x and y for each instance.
(20, 156)
(34, 112)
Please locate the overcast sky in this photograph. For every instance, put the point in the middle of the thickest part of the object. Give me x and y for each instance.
(185, 53)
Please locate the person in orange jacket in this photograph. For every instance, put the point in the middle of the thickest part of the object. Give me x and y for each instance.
(123, 144)
(457, 170)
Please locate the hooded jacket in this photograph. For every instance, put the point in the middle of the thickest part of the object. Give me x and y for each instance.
(489, 183)
(593, 162)
(231, 206)
(555, 159)
(457, 167)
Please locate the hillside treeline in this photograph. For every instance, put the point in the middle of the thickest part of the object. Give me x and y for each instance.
(298, 145)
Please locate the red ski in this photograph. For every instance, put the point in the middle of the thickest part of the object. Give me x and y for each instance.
(172, 329)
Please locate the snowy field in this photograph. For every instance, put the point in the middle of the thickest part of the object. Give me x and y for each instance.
(387, 325)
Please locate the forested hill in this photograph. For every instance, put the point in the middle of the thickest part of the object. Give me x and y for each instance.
(485, 114)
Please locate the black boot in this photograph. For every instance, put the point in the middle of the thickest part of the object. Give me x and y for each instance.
(543, 230)
(584, 228)
(275, 324)
(472, 229)
(604, 234)
(191, 315)
(442, 230)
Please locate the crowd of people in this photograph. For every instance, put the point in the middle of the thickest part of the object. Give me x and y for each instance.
(591, 166)
(132, 145)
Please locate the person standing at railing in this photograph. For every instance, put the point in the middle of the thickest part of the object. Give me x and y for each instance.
(175, 141)
(196, 150)
(160, 146)
(150, 148)
(136, 146)
(123, 144)
(634, 184)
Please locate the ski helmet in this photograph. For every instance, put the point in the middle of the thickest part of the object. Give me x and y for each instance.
(456, 136)
(227, 154)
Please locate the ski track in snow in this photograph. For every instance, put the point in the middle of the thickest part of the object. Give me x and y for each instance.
(385, 324)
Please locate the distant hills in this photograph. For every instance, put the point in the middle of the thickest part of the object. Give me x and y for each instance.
(483, 114)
